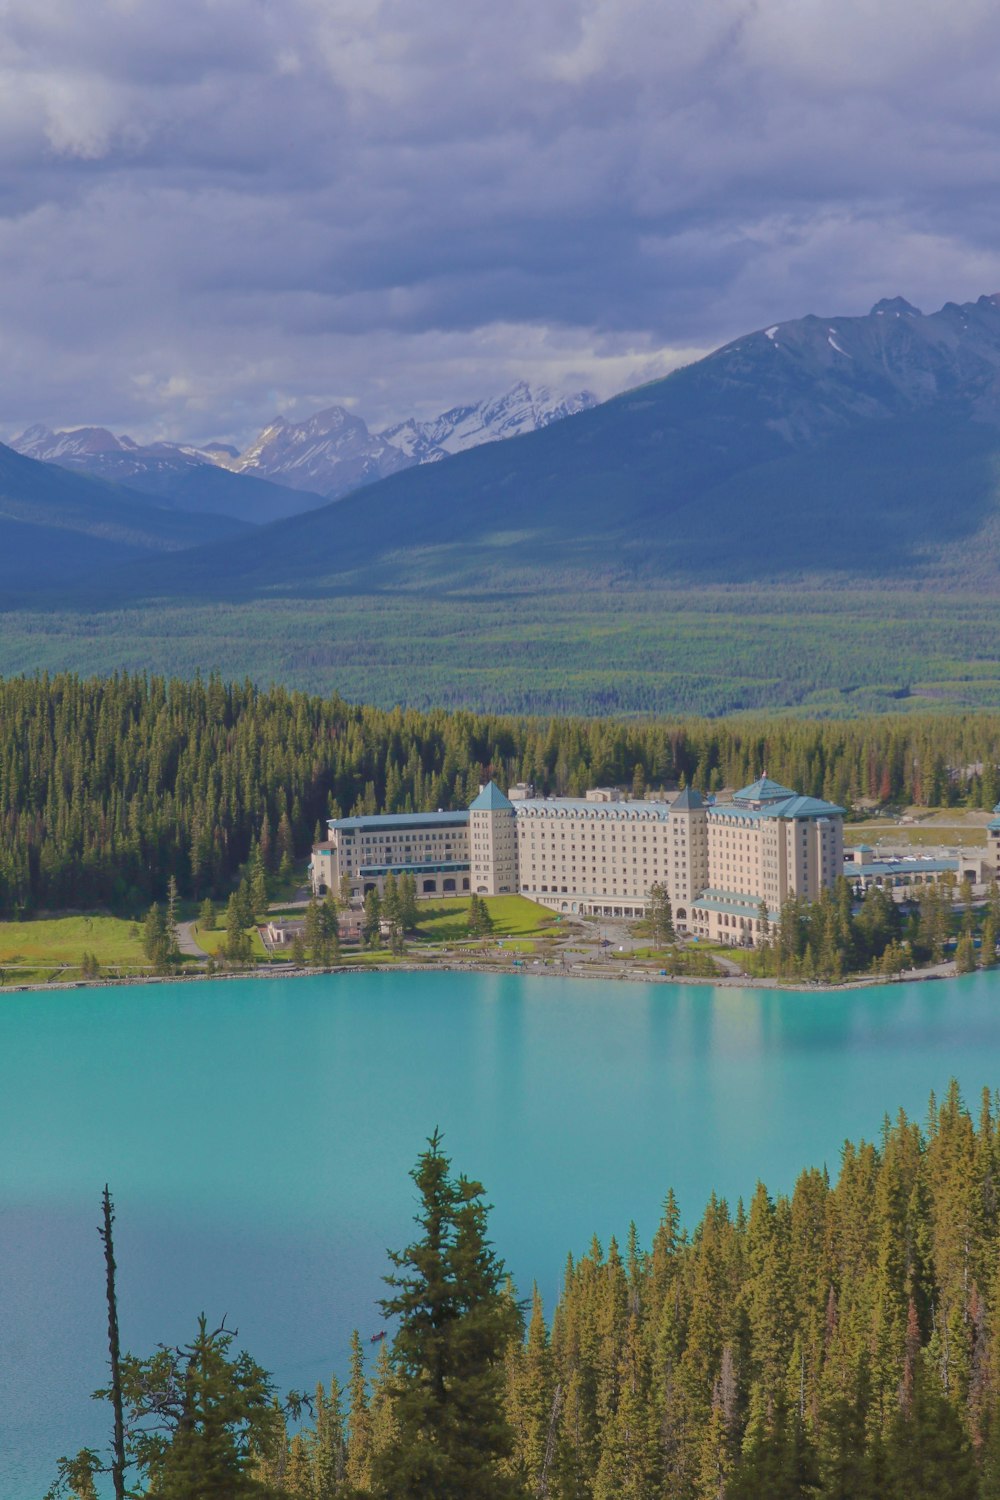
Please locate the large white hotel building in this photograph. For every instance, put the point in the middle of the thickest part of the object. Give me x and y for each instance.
(721, 862)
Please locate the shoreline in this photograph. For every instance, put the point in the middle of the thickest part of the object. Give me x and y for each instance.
(548, 971)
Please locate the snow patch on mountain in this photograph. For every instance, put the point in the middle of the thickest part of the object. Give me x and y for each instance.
(334, 451)
(331, 453)
(517, 411)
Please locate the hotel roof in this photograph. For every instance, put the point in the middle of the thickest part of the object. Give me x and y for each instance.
(376, 822)
(919, 864)
(790, 806)
(763, 790)
(735, 903)
(491, 799)
(688, 799)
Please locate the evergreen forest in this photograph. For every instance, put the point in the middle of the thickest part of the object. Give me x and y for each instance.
(838, 1343)
(111, 787)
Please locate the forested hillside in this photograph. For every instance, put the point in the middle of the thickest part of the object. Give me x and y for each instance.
(848, 448)
(110, 786)
(840, 1343)
(56, 526)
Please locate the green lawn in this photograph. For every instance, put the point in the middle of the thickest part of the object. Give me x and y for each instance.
(212, 939)
(513, 916)
(915, 835)
(32, 951)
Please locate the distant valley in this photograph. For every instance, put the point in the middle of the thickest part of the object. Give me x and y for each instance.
(831, 483)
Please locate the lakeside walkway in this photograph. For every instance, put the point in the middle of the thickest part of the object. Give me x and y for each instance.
(591, 969)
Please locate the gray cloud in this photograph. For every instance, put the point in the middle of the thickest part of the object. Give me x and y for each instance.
(212, 209)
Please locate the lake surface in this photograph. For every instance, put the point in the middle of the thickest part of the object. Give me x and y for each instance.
(257, 1136)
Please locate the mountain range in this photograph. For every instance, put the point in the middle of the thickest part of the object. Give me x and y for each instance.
(822, 448)
(294, 466)
(813, 510)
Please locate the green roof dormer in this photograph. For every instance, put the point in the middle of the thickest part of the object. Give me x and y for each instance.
(491, 799)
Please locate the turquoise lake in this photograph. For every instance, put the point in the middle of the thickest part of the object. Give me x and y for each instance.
(257, 1137)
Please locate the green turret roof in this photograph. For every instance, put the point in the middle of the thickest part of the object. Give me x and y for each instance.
(491, 799)
(764, 790)
(688, 799)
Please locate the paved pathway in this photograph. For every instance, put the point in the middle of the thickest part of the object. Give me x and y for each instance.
(186, 942)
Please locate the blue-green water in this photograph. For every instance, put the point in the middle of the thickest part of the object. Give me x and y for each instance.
(257, 1136)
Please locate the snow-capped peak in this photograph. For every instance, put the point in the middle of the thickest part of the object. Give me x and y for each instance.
(330, 453)
(519, 410)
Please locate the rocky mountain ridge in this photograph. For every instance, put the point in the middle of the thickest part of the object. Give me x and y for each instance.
(177, 475)
(334, 451)
(326, 456)
(864, 450)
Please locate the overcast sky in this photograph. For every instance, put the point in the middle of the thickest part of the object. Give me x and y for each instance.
(213, 210)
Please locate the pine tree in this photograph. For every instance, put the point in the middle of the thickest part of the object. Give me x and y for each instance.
(927, 1453)
(408, 915)
(328, 1450)
(173, 945)
(359, 1420)
(371, 927)
(629, 1464)
(257, 875)
(455, 1325)
(313, 936)
(156, 937)
(529, 1400)
(286, 847)
(331, 929)
(965, 955)
(779, 1462)
(661, 917)
(845, 1464)
(392, 912)
(384, 1428)
(238, 944)
(206, 915)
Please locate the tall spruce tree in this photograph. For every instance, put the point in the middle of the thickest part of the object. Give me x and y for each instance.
(456, 1322)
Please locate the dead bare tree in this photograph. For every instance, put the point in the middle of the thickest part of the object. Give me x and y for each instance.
(118, 1442)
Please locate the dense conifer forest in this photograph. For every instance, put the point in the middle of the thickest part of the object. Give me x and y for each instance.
(841, 1343)
(110, 786)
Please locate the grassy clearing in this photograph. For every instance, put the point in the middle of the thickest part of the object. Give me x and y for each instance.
(914, 835)
(35, 951)
(213, 938)
(513, 916)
